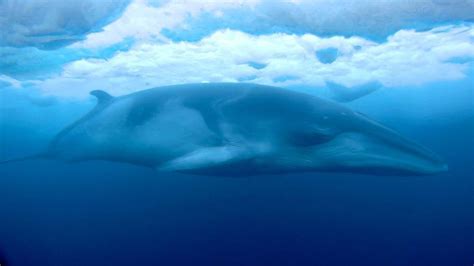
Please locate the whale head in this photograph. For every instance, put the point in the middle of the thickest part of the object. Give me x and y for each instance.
(346, 141)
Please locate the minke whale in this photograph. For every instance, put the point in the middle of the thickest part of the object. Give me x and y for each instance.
(237, 129)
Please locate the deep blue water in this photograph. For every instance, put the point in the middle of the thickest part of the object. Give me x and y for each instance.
(102, 213)
(411, 62)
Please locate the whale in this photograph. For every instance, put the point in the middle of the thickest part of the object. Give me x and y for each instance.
(237, 129)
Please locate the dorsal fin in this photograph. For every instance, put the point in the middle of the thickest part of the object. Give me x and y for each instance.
(102, 96)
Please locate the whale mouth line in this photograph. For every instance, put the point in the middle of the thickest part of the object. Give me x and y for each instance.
(369, 153)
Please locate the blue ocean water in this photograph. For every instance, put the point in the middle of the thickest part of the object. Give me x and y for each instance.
(104, 213)
(406, 64)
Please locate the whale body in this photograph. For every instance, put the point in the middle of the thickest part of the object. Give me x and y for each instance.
(237, 129)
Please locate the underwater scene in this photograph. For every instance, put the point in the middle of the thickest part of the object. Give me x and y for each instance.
(237, 132)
